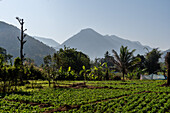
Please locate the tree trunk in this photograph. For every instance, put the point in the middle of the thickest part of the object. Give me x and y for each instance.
(4, 86)
(107, 74)
(123, 75)
(168, 79)
(49, 83)
(167, 61)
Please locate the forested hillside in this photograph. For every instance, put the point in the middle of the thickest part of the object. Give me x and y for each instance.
(33, 48)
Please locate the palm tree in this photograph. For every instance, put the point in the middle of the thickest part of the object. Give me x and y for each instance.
(125, 60)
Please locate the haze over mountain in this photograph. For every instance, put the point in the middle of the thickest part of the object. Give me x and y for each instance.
(33, 48)
(163, 55)
(95, 45)
(87, 40)
(48, 41)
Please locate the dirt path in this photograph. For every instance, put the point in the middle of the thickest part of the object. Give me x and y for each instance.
(83, 85)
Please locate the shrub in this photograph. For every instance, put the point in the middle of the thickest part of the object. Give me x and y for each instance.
(116, 78)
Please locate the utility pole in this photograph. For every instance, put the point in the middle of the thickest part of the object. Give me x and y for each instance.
(21, 39)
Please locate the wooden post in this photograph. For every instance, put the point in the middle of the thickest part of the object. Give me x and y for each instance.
(167, 61)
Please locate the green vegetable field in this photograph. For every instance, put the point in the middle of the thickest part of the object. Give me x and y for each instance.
(98, 96)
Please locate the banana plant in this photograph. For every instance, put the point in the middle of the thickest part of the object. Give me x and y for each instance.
(68, 72)
(84, 71)
(104, 65)
(92, 75)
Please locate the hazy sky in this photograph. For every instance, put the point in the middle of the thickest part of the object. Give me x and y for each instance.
(146, 21)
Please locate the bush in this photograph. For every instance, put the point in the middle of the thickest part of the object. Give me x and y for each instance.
(116, 78)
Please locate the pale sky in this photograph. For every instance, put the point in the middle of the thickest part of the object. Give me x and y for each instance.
(146, 21)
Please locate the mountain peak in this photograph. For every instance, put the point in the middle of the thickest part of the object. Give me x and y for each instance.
(88, 30)
(95, 45)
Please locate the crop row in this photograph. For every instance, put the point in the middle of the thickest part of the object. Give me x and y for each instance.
(154, 87)
(17, 107)
(69, 96)
(144, 102)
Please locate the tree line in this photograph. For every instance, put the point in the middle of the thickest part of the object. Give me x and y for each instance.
(70, 64)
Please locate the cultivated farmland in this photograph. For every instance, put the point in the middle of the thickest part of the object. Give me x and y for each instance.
(94, 96)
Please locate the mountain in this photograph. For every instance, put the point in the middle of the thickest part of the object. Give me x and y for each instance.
(33, 48)
(95, 45)
(47, 41)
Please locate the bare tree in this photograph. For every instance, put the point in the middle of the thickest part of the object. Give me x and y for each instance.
(22, 42)
(21, 39)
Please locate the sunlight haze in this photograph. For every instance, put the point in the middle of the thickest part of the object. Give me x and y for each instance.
(146, 21)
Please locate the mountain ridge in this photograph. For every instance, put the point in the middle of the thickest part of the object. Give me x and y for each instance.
(95, 45)
(48, 41)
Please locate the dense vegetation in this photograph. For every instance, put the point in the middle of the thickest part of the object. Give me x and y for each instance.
(70, 64)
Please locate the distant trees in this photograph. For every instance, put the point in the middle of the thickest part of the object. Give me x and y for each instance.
(10, 74)
(7, 57)
(70, 64)
(152, 64)
(50, 67)
(108, 58)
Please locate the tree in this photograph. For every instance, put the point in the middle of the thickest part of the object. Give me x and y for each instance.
(18, 70)
(70, 57)
(7, 57)
(152, 61)
(105, 66)
(141, 64)
(167, 61)
(48, 68)
(67, 58)
(22, 42)
(125, 60)
(108, 59)
(5, 76)
(21, 39)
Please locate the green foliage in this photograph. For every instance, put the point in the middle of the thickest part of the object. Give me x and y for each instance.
(152, 61)
(135, 73)
(84, 72)
(70, 60)
(69, 57)
(107, 59)
(17, 63)
(125, 60)
(9, 75)
(100, 72)
(116, 78)
(7, 57)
